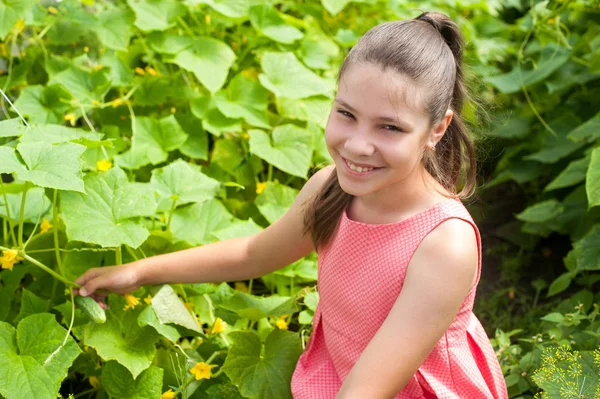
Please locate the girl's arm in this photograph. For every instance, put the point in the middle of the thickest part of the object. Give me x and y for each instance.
(280, 244)
(439, 276)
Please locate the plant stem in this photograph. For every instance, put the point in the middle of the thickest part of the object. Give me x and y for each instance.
(250, 286)
(55, 232)
(118, 255)
(10, 225)
(270, 175)
(171, 214)
(22, 216)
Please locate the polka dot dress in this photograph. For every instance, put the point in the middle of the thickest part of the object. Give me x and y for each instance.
(361, 273)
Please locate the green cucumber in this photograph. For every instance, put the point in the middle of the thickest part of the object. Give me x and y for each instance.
(91, 308)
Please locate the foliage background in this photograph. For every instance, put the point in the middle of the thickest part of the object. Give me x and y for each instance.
(157, 125)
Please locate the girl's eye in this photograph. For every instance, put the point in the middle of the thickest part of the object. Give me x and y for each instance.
(346, 113)
(392, 128)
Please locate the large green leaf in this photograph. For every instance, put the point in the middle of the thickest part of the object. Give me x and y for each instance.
(31, 304)
(10, 162)
(335, 6)
(587, 250)
(104, 214)
(279, 67)
(230, 8)
(83, 85)
(289, 148)
(156, 14)
(265, 19)
(31, 367)
(10, 12)
(256, 308)
(318, 50)
(114, 28)
(121, 338)
(55, 134)
(53, 166)
(574, 173)
(228, 155)
(244, 98)
(183, 183)
(314, 109)
(592, 180)
(209, 59)
(261, 376)
(196, 223)
(541, 212)
(148, 317)
(119, 383)
(239, 228)
(36, 205)
(11, 127)
(169, 309)
(552, 58)
(588, 131)
(275, 200)
(152, 141)
(43, 104)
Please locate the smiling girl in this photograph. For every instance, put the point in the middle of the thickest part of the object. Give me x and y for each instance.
(399, 254)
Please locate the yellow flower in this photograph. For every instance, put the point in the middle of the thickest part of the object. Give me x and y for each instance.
(45, 226)
(148, 299)
(94, 382)
(19, 26)
(139, 71)
(10, 258)
(201, 370)
(98, 67)
(260, 187)
(173, 109)
(95, 102)
(168, 394)
(70, 118)
(132, 301)
(246, 136)
(151, 71)
(52, 10)
(189, 306)
(251, 73)
(207, 19)
(103, 165)
(241, 286)
(116, 102)
(86, 49)
(552, 20)
(219, 326)
(281, 324)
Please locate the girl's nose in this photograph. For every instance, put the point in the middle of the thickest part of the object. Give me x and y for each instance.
(358, 145)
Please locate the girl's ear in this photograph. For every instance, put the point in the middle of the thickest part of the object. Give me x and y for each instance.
(440, 128)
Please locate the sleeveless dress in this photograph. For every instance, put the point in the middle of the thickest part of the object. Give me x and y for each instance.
(360, 275)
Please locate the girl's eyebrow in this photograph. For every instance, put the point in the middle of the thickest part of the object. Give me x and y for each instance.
(405, 124)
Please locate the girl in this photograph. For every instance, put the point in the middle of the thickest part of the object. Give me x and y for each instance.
(399, 254)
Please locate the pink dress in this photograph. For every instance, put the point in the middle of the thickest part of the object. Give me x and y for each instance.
(361, 273)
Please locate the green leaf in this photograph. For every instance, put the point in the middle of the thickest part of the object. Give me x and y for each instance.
(55, 134)
(334, 6)
(119, 383)
(541, 212)
(196, 223)
(53, 166)
(586, 132)
(37, 205)
(114, 28)
(256, 308)
(10, 162)
(83, 85)
(29, 366)
(103, 215)
(209, 59)
(275, 200)
(514, 127)
(588, 250)
(268, 376)
(552, 58)
(318, 50)
(182, 183)
(12, 127)
(289, 148)
(265, 19)
(574, 173)
(229, 8)
(152, 141)
(170, 309)
(43, 104)
(156, 14)
(31, 304)
(10, 12)
(121, 338)
(119, 74)
(278, 67)
(167, 43)
(313, 109)
(592, 180)
(244, 98)
(148, 317)
(228, 155)
(239, 228)
(217, 123)
(554, 317)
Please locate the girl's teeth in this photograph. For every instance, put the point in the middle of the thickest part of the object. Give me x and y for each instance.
(358, 168)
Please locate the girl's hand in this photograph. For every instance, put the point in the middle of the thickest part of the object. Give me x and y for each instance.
(120, 279)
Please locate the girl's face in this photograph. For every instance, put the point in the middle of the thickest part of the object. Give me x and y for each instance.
(377, 132)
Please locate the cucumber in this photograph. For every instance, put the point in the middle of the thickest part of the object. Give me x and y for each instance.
(91, 308)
